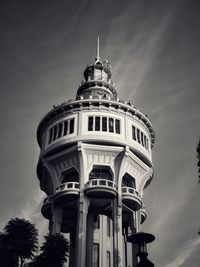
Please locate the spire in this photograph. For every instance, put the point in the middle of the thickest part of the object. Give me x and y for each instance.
(97, 80)
(97, 57)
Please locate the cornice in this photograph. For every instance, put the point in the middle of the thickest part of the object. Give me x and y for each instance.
(94, 103)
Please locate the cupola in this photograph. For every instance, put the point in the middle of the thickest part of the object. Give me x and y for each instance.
(97, 80)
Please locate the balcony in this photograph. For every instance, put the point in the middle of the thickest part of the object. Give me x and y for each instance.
(143, 214)
(101, 188)
(46, 207)
(66, 192)
(131, 198)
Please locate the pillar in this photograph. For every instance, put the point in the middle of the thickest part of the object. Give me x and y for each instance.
(56, 220)
(117, 234)
(81, 232)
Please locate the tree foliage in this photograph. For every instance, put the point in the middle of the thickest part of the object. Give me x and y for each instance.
(20, 241)
(22, 237)
(54, 252)
(7, 255)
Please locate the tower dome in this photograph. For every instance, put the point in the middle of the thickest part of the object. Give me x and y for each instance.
(97, 79)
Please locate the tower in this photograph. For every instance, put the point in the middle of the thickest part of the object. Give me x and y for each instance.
(94, 164)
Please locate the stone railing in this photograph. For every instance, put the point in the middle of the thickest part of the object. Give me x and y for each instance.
(68, 187)
(101, 183)
(130, 191)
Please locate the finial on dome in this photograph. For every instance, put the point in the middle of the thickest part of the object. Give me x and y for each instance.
(97, 57)
(97, 79)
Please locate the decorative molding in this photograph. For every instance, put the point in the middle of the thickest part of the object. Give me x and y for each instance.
(69, 108)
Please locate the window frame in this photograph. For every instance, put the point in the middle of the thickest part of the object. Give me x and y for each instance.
(95, 262)
(104, 124)
(61, 129)
(140, 137)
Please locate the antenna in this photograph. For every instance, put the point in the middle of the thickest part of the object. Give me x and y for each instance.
(97, 58)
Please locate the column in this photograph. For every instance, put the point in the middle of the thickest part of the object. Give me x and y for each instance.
(134, 229)
(117, 234)
(56, 220)
(81, 233)
(89, 239)
(72, 258)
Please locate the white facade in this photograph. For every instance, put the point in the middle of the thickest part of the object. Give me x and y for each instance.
(94, 163)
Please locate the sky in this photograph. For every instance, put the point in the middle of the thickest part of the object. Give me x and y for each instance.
(154, 50)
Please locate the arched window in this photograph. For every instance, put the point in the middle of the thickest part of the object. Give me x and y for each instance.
(100, 172)
(70, 175)
(128, 181)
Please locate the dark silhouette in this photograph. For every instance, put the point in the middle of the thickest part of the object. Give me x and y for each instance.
(54, 252)
(141, 239)
(22, 239)
(7, 255)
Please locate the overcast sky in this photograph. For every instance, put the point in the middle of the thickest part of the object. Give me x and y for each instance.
(154, 49)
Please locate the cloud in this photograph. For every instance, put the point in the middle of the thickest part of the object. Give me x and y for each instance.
(32, 212)
(151, 62)
(184, 253)
(30, 209)
(143, 47)
(67, 28)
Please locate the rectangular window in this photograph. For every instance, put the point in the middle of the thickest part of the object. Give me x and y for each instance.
(133, 133)
(133, 183)
(142, 138)
(97, 74)
(96, 222)
(97, 124)
(65, 127)
(54, 132)
(56, 129)
(50, 135)
(71, 126)
(90, 124)
(145, 141)
(104, 124)
(108, 259)
(59, 129)
(117, 126)
(108, 227)
(95, 258)
(147, 144)
(138, 135)
(111, 125)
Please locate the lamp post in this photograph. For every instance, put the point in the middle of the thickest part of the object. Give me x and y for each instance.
(141, 239)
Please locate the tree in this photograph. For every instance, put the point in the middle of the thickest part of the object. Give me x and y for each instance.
(7, 255)
(22, 237)
(54, 252)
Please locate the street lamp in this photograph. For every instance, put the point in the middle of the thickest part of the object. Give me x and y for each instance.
(141, 239)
